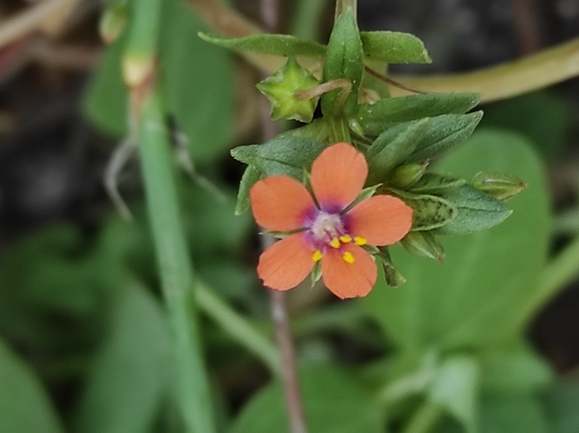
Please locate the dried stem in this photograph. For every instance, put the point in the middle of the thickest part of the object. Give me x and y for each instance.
(47, 16)
(525, 22)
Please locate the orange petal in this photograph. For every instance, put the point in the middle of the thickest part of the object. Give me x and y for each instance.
(338, 175)
(381, 220)
(347, 280)
(286, 263)
(280, 203)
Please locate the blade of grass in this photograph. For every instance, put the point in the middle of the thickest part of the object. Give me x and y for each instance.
(177, 278)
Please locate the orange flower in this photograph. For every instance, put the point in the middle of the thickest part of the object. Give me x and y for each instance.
(327, 230)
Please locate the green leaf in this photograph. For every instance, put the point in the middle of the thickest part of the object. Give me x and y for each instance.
(344, 59)
(515, 370)
(476, 211)
(456, 388)
(276, 44)
(334, 402)
(512, 413)
(563, 408)
(469, 301)
(131, 375)
(250, 176)
(430, 212)
(444, 133)
(376, 117)
(394, 47)
(285, 155)
(435, 183)
(24, 404)
(393, 147)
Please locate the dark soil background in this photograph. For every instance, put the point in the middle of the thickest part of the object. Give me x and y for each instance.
(52, 160)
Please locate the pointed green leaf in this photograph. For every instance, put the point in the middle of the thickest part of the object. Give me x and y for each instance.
(24, 404)
(394, 47)
(377, 117)
(393, 147)
(444, 133)
(285, 155)
(276, 44)
(344, 59)
(477, 211)
(250, 176)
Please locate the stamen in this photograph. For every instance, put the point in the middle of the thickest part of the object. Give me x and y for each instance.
(317, 256)
(346, 239)
(348, 257)
(358, 240)
(335, 243)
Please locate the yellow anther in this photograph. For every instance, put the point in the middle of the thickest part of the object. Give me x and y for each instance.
(346, 239)
(348, 257)
(359, 240)
(335, 243)
(317, 256)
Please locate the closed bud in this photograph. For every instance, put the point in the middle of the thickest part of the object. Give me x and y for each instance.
(393, 276)
(112, 23)
(502, 186)
(281, 88)
(407, 175)
(423, 244)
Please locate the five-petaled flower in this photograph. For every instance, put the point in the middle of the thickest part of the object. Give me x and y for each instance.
(327, 229)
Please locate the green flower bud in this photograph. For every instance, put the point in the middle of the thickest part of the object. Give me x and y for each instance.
(281, 88)
(393, 276)
(407, 175)
(502, 186)
(423, 244)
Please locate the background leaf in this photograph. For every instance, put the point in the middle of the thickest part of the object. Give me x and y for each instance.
(130, 376)
(468, 301)
(24, 404)
(335, 402)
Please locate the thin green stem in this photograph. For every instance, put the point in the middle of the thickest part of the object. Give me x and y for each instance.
(306, 18)
(425, 418)
(557, 274)
(174, 264)
(238, 328)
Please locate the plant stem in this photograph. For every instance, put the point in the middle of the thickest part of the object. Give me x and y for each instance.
(556, 275)
(174, 264)
(425, 418)
(238, 328)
